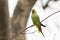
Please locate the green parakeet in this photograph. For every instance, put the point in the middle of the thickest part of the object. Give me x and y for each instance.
(36, 21)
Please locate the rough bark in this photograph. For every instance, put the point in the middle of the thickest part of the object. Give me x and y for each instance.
(4, 21)
(20, 17)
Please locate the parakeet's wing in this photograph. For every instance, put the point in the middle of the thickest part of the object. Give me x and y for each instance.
(39, 24)
(35, 19)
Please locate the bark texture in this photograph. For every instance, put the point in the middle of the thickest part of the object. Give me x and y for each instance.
(4, 20)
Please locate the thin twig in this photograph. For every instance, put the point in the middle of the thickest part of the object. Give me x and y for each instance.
(45, 6)
(50, 15)
(33, 25)
(30, 33)
(21, 32)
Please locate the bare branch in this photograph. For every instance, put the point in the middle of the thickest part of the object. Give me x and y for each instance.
(45, 6)
(50, 15)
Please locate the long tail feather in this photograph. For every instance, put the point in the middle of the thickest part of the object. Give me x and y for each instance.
(43, 34)
(40, 29)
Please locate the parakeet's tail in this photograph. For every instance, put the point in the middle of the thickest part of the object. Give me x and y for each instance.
(42, 34)
(40, 30)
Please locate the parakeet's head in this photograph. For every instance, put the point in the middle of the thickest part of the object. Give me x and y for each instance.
(33, 11)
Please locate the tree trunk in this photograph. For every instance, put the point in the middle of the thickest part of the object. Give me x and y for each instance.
(20, 17)
(4, 21)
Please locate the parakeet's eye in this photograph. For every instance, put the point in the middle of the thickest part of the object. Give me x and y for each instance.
(33, 11)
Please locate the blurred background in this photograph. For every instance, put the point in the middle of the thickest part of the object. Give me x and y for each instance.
(52, 29)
